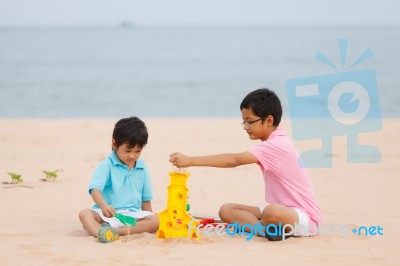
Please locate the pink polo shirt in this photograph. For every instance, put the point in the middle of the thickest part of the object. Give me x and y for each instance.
(285, 182)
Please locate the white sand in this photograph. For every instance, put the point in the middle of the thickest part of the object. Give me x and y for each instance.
(39, 221)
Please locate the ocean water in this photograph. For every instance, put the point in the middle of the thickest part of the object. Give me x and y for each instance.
(102, 72)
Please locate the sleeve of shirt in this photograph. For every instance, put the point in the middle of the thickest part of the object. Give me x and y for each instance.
(99, 177)
(267, 156)
(147, 193)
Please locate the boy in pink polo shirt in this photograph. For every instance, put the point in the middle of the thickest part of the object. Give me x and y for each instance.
(288, 191)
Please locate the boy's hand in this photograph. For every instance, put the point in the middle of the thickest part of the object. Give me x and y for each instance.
(107, 210)
(179, 160)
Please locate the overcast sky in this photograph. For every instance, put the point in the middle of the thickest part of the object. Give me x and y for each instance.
(204, 12)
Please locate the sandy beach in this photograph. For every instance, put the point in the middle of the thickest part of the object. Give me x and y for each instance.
(39, 222)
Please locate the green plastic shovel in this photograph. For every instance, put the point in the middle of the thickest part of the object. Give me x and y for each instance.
(127, 220)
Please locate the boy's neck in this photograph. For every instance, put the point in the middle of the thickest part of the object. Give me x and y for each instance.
(270, 130)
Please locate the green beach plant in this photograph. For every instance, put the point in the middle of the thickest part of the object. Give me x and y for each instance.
(51, 176)
(15, 178)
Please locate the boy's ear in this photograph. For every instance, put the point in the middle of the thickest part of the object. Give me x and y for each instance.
(114, 145)
(270, 120)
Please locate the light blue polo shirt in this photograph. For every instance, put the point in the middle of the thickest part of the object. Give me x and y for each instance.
(122, 188)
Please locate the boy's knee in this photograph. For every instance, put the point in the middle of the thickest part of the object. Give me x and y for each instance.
(272, 214)
(222, 211)
(152, 224)
(225, 210)
(156, 223)
(83, 214)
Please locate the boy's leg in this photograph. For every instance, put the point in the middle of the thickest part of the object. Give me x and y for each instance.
(148, 224)
(275, 213)
(243, 214)
(91, 221)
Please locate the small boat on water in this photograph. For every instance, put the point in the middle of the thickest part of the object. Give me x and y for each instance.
(127, 24)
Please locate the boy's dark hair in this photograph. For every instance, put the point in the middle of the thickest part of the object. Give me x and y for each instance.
(131, 131)
(263, 102)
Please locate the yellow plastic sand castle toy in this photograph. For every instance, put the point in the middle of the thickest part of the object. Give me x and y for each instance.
(174, 220)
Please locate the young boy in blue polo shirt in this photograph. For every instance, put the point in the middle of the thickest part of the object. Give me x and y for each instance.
(121, 184)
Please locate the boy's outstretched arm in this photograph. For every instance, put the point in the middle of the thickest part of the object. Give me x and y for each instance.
(217, 160)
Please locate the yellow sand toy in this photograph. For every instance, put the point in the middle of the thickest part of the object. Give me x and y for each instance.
(174, 220)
